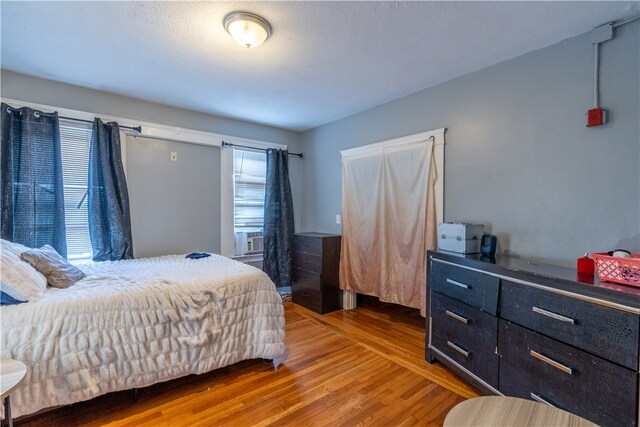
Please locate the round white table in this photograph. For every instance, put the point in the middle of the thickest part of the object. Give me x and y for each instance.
(12, 373)
(500, 411)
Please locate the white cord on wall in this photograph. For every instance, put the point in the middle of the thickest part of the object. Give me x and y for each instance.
(596, 75)
(599, 35)
(622, 22)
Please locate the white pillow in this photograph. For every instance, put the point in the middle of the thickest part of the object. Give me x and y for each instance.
(18, 279)
(16, 247)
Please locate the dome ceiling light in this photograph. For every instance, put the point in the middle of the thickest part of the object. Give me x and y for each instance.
(247, 29)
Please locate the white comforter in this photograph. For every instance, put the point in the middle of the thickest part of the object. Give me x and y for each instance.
(133, 323)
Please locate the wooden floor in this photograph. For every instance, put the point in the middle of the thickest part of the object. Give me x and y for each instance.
(360, 367)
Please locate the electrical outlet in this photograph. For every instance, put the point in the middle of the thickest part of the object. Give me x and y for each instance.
(338, 219)
(174, 156)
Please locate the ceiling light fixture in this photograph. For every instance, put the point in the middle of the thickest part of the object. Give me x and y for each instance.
(247, 29)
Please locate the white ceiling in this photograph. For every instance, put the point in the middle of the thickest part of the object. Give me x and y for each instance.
(324, 61)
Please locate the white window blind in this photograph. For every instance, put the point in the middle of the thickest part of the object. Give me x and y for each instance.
(250, 169)
(75, 140)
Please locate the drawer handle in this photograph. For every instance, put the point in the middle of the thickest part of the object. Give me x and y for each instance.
(541, 399)
(553, 315)
(550, 361)
(457, 316)
(457, 348)
(459, 284)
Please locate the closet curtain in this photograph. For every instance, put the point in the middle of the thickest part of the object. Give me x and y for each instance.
(389, 221)
(278, 219)
(108, 196)
(31, 179)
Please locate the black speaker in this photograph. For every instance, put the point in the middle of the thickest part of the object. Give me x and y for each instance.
(488, 244)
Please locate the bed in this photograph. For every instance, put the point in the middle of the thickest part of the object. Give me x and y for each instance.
(133, 323)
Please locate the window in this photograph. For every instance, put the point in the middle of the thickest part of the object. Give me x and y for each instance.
(249, 180)
(75, 140)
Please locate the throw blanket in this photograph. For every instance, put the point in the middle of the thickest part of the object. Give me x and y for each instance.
(134, 323)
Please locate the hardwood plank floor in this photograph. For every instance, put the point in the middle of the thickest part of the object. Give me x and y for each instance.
(359, 367)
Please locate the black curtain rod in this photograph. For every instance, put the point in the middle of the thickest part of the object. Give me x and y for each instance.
(37, 113)
(228, 144)
(136, 128)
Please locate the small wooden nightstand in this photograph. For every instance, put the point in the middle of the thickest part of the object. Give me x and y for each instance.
(499, 411)
(316, 257)
(12, 373)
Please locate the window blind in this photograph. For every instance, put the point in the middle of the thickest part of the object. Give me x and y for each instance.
(250, 169)
(75, 140)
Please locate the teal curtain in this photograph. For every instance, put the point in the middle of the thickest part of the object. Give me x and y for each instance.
(31, 179)
(108, 196)
(278, 219)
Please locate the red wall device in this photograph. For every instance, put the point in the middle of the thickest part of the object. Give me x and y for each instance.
(596, 117)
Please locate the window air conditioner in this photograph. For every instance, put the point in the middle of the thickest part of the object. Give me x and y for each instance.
(249, 242)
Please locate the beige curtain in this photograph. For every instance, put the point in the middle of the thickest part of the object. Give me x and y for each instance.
(389, 221)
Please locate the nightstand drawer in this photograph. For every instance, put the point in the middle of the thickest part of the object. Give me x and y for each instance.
(306, 279)
(465, 323)
(307, 244)
(536, 367)
(466, 335)
(606, 332)
(307, 262)
(470, 354)
(473, 288)
(307, 298)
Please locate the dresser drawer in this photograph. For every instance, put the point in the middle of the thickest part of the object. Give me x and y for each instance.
(465, 323)
(536, 367)
(307, 262)
(473, 288)
(306, 279)
(606, 332)
(474, 352)
(307, 244)
(307, 298)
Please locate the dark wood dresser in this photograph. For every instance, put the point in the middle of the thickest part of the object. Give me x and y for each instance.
(316, 257)
(538, 332)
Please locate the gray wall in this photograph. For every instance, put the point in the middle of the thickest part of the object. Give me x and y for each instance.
(518, 157)
(175, 205)
(48, 92)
